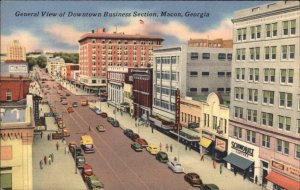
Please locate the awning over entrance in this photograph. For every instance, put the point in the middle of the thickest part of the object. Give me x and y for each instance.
(238, 161)
(205, 142)
(283, 181)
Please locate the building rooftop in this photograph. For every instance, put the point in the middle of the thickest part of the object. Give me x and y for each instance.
(225, 98)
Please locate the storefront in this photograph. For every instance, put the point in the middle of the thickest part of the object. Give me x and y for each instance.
(207, 143)
(220, 148)
(283, 176)
(243, 158)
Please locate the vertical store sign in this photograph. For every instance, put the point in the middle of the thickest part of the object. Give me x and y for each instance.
(177, 116)
(36, 100)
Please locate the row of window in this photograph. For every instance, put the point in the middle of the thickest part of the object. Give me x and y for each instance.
(281, 145)
(216, 126)
(286, 75)
(164, 104)
(133, 42)
(220, 74)
(288, 28)
(270, 53)
(221, 56)
(166, 75)
(166, 60)
(221, 90)
(166, 90)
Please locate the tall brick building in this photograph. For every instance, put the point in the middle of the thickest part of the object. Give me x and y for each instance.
(98, 50)
(16, 52)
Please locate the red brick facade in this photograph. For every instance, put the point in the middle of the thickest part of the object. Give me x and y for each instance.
(70, 69)
(19, 88)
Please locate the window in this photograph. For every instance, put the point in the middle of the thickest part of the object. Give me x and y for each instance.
(239, 93)
(252, 115)
(266, 141)
(241, 54)
(221, 74)
(271, 30)
(229, 56)
(267, 119)
(193, 74)
(237, 132)
(285, 99)
(269, 75)
(228, 74)
(286, 76)
(193, 89)
(298, 126)
(289, 27)
(252, 95)
(272, 51)
(157, 60)
(240, 74)
(221, 56)
(254, 75)
(221, 90)
(297, 151)
(268, 97)
(205, 73)
(255, 32)
(288, 52)
(8, 96)
(238, 112)
(173, 60)
(204, 89)
(205, 55)
(194, 56)
(282, 146)
(251, 136)
(284, 123)
(241, 34)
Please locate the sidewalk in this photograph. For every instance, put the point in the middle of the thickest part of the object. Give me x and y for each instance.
(73, 89)
(189, 159)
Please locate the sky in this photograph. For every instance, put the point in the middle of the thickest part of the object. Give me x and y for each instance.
(62, 31)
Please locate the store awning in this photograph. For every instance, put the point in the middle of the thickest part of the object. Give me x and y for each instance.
(205, 142)
(283, 181)
(238, 161)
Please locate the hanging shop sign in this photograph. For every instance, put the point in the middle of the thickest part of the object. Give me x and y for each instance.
(242, 150)
(286, 169)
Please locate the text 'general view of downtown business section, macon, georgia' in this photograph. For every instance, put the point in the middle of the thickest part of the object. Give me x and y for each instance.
(128, 112)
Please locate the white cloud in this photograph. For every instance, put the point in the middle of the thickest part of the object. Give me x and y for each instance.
(63, 33)
(176, 29)
(26, 39)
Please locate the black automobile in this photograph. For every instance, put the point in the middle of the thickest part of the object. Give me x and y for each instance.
(128, 132)
(77, 151)
(193, 179)
(134, 136)
(74, 104)
(162, 157)
(110, 120)
(116, 123)
(137, 147)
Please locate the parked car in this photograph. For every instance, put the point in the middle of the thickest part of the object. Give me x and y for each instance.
(62, 98)
(97, 110)
(134, 136)
(70, 109)
(128, 132)
(175, 166)
(100, 128)
(68, 94)
(142, 142)
(210, 187)
(162, 157)
(74, 104)
(116, 123)
(193, 179)
(110, 120)
(152, 149)
(64, 102)
(103, 114)
(94, 183)
(137, 147)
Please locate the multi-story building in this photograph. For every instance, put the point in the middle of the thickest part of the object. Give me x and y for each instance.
(54, 65)
(99, 49)
(265, 103)
(63, 71)
(16, 52)
(70, 68)
(14, 80)
(190, 70)
(216, 43)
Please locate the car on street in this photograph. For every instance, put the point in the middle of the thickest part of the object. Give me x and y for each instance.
(74, 104)
(96, 110)
(142, 142)
(134, 136)
(152, 149)
(193, 179)
(68, 94)
(175, 166)
(137, 147)
(103, 114)
(100, 128)
(210, 187)
(162, 157)
(70, 109)
(116, 123)
(62, 98)
(64, 102)
(110, 120)
(94, 183)
(128, 132)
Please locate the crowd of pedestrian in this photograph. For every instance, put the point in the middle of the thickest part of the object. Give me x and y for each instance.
(47, 160)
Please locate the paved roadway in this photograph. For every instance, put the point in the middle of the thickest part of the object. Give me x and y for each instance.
(114, 162)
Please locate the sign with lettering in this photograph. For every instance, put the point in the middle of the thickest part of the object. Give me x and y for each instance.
(242, 150)
(18, 68)
(177, 114)
(286, 169)
(36, 103)
(220, 145)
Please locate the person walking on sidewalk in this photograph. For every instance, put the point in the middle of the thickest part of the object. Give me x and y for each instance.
(48, 136)
(214, 163)
(57, 145)
(186, 147)
(41, 164)
(202, 157)
(67, 150)
(49, 159)
(167, 147)
(52, 157)
(45, 160)
(171, 148)
(41, 134)
(160, 146)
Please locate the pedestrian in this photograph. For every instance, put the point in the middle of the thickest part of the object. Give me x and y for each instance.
(49, 159)
(45, 160)
(67, 150)
(244, 176)
(234, 170)
(167, 147)
(190, 146)
(160, 146)
(89, 128)
(202, 157)
(221, 168)
(52, 157)
(175, 159)
(41, 164)
(171, 148)
(57, 145)
(186, 147)
(255, 179)
(214, 163)
(41, 134)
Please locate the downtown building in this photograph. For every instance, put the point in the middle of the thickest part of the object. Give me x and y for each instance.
(98, 50)
(16, 52)
(264, 131)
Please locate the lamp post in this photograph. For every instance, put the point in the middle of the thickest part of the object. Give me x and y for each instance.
(75, 161)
